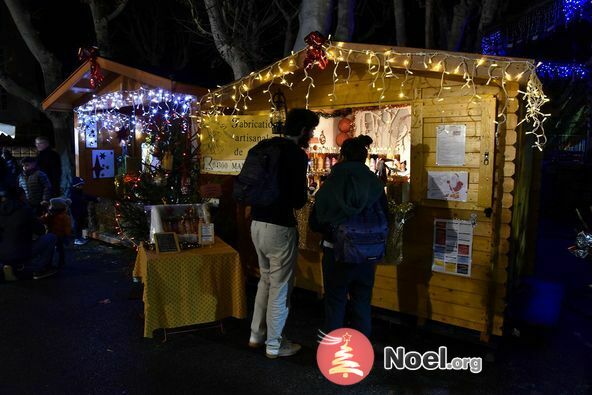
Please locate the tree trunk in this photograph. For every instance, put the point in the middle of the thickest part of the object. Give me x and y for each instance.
(102, 34)
(63, 133)
(460, 17)
(345, 20)
(50, 65)
(442, 24)
(400, 22)
(231, 53)
(489, 9)
(315, 15)
(101, 17)
(429, 24)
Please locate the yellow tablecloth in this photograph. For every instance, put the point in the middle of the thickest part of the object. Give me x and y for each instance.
(190, 287)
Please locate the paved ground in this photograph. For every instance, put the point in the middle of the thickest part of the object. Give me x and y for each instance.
(81, 332)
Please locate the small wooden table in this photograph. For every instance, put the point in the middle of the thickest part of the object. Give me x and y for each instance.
(190, 287)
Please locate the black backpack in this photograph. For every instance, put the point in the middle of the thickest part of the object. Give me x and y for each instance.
(362, 238)
(257, 183)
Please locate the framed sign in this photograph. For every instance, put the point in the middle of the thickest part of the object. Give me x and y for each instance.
(166, 242)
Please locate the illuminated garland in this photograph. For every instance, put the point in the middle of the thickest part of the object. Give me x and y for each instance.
(562, 71)
(536, 23)
(137, 110)
(391, 64)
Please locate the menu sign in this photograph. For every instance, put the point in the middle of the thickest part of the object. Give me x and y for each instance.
(166, 242)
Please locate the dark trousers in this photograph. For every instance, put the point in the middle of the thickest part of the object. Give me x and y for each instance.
(60, 244)
(341, 279)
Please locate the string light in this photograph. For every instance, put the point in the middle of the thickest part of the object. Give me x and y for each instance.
(562, 71)
(136, 110)
(380, 64)
(533, 25)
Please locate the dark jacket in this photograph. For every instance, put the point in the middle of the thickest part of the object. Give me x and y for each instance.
(37, 187)
(292, 185)
(350, 188)
(80, 200)
(18, 223)
(49, 162)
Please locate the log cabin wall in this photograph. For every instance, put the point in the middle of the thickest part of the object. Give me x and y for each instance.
(477, 302)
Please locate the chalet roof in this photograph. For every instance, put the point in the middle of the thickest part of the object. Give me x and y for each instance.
(412, 60)
(76, 89)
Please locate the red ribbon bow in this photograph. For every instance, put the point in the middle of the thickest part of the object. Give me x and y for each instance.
(96, 75)
(315, 54)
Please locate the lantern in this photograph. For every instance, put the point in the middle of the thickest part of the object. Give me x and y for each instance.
(279, 112)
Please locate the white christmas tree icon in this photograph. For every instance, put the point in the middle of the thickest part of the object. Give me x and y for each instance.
(343, 363)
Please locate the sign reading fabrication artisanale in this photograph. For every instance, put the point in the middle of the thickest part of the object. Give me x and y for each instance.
(225, 141)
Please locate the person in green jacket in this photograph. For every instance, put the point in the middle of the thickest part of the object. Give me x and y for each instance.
(350, 188)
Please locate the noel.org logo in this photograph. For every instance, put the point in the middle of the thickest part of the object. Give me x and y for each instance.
(345, 356)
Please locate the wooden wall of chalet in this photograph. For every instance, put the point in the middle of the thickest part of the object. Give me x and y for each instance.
(477, 302)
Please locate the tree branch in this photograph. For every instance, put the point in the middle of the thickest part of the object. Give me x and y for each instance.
(117, 10)
(196, 21)
(15, 89)
(50, 65)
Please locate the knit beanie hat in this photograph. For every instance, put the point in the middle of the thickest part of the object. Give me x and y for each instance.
(59, 203)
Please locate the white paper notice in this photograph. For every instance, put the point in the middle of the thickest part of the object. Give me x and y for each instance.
(453, 247)
(103, 163)
(448, 185)
(450, 145)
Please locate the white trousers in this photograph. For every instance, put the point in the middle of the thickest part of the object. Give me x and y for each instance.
(277, 250)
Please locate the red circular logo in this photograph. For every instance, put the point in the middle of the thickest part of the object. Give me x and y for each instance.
(345, 356)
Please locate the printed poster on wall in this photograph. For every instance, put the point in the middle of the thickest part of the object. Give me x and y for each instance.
(90, 135)
(448, 185)
(103, 163)
(453, 247)
(450, 145)
(226, 140)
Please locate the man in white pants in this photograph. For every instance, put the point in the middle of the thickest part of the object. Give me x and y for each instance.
(275, 237)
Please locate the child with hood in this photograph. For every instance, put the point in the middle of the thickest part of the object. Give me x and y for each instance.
(58, 222)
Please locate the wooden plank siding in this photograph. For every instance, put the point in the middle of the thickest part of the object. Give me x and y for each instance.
(477, 302)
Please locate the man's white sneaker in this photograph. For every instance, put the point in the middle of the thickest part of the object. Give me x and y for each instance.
(287, 349)
(255, 342)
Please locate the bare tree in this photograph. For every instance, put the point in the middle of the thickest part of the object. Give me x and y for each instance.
(159, 39)
(289, 12)
(400, 22)
(489, 10)
(103, 13)
(345, 20)
(315, 15)
(241, 30)
(461, 15)
(429, 24)
(51, 68)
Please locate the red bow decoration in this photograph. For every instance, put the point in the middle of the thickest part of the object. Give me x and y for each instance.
(315, 54)
(96, 75)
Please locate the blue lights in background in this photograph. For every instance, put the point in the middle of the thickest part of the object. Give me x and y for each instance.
(562, 71)
(567, 11)
(573, 9)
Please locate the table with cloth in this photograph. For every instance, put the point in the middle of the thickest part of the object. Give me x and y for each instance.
(190, 287)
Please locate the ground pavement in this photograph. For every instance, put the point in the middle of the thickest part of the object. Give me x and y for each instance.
(81, 332)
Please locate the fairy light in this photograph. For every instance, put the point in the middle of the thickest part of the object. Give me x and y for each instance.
(391, 64)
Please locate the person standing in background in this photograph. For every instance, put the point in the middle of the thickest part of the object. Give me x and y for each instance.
(35, 184)
(48, 161)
